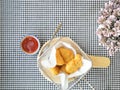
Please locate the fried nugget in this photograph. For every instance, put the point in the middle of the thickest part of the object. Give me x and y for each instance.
(59, 58)
(74, 64)
(66, 53)
(55, 70)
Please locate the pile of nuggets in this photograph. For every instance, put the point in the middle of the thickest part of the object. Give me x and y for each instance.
(67, 62)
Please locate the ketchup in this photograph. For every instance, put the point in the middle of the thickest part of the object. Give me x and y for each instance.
(29, 44)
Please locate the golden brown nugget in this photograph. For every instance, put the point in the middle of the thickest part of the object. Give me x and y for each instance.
(59, 58)
(66, 53)
(74, 64)
(55, 70)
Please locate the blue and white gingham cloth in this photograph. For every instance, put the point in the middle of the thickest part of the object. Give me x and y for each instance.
(40, 17)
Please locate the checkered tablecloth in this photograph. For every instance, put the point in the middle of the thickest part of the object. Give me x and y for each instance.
(19, 71)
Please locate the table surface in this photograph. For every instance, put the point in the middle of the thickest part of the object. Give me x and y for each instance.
(19, 71)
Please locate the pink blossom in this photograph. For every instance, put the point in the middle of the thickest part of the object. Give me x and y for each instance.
(108, 31)
(101, 19)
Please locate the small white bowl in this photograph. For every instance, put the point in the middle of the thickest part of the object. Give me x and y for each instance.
(35, 39)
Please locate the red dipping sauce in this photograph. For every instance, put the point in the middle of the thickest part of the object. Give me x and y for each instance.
(30, 44)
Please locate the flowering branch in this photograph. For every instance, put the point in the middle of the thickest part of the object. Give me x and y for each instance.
(108, 30)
